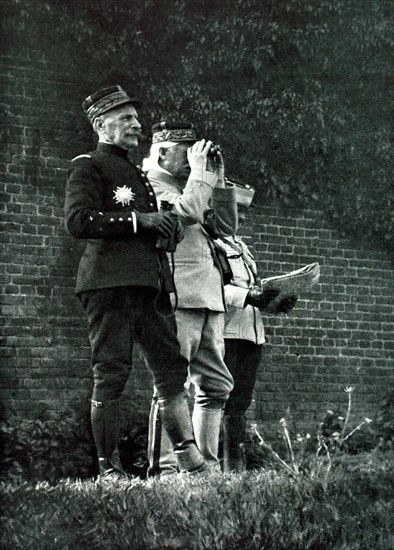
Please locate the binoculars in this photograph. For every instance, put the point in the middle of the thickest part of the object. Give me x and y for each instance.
(167, 244)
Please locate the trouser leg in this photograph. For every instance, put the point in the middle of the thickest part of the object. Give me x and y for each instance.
(200, 336)
(162, 351)
(242, 358)
(233, 443)
(213, 383)
(200, 333)
(110, 314)
(157, 336)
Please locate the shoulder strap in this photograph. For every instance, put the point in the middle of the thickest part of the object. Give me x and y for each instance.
(234, 246)
(239, 249)
(219, 257)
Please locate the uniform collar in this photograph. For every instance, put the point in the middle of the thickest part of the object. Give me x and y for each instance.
(168, 178)
(112, 149)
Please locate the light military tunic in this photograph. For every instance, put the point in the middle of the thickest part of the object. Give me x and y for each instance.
(198, 281)
(242, 322)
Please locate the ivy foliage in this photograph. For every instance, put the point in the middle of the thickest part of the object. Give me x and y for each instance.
(46, 448)
(57, 445)
(297, 92)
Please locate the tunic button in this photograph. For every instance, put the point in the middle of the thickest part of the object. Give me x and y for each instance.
(151, 193)
(129, 219)
(151, 204)
(111, 219)
(120, 219)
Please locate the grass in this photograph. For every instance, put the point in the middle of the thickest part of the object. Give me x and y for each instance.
(262, 509)
(331, 489)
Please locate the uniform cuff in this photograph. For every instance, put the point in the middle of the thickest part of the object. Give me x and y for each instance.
(224, 194)
(134, 220)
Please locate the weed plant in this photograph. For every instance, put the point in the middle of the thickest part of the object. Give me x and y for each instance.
(331, 439)
(312, 491)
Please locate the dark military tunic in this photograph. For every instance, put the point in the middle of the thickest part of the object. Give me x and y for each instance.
(121, 273)
(104, 189)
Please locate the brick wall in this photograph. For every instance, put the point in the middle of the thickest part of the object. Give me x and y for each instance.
(341, 334)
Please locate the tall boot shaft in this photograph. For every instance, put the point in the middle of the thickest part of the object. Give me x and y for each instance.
(234, 428)
(175, 417)
(161, 457)
(206, 425)
(105, 428)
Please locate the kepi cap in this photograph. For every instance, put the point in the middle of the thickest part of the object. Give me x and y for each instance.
(173, 131)
(244, 192)
(105, 100)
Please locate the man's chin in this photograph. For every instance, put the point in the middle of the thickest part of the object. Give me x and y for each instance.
(130, 143)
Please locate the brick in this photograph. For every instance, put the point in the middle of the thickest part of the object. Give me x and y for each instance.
(339, 334)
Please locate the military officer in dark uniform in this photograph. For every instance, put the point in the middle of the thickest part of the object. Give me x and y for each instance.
(123, 280)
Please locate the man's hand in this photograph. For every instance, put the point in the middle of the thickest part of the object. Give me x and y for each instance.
(162, 223)
(197, 155)
(287, 304)
(260, 298)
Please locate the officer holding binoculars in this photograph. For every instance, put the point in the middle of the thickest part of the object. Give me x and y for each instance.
(189, 174)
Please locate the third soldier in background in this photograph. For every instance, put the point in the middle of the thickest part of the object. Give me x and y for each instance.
(244, 334)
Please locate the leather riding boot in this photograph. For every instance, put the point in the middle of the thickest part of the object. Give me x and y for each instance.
(175, 417)
(233, 443)
(206, 425)
(105, 428)
(161, 457)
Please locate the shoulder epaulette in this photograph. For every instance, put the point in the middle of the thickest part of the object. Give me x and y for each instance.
(81, 156)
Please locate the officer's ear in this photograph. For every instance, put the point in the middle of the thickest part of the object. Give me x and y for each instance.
(98, 124)
(162, 153)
